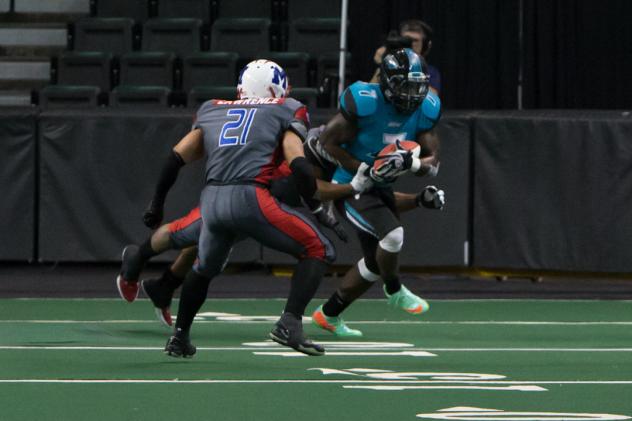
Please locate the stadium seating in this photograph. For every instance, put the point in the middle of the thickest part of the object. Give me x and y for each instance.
(314, 36)
(297, 9)
(113, 35)
(181, 36)
(198, 9)
(199, 95)
(147, 69)
(308, 96)
(138, 10)
(69, 96)
(294, 64)
(207, 69)
(85, 69)
(140, 96)
(247, 9)
(328, 66)
(248, 37)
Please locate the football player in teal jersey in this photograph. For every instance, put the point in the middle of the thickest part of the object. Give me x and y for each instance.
(371, 117)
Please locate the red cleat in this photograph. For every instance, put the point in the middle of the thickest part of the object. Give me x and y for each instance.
(127, 290)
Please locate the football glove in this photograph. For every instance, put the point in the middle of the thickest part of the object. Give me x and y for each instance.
(361, 180)
(327, 219)
(431, 198)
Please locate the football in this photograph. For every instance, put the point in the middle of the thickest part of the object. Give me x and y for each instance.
(388, 150)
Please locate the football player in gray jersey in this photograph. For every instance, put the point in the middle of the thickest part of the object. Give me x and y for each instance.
(246, 143)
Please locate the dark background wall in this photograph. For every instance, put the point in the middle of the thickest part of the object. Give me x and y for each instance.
(574, 53)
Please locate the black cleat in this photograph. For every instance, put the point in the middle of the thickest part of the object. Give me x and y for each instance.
(178, 347)
(160, 295)
(288, 331)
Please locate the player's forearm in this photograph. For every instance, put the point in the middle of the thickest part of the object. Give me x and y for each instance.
(344, 158)
(405, 201)
(329, 191)
(168, 176)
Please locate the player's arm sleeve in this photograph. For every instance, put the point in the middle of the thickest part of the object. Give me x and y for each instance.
(168, 176)
(301, 169)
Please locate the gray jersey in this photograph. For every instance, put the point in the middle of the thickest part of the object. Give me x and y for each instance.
(242, 138)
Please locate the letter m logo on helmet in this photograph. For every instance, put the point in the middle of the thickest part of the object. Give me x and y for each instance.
(279, 77)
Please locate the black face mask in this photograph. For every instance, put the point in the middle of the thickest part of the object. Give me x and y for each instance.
(407, 94)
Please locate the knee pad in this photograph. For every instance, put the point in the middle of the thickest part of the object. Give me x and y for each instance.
(393, 241)
(366, 273)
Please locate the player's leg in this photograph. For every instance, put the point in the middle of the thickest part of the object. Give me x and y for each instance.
(183, 235)
(358, 279)
(287, 230)
(134, 259)
(213, 251)
(178, 234)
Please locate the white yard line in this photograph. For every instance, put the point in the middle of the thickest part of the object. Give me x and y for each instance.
(362, 322)
(272, 350)
(354, 382)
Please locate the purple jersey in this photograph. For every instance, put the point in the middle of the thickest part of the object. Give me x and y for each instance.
(242, 138)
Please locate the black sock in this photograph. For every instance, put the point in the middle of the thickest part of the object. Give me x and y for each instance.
(171, 280)
(335, 305)
(392, 285)
(305, 282)
(192, 297)
(145, 251)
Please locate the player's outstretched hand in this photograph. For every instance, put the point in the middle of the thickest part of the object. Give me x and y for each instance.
(431, 198)
(153, 215)
(328, 220)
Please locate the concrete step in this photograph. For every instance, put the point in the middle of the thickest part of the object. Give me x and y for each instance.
(57, 6)
(29, 35)
(24, 73)
(15, 98)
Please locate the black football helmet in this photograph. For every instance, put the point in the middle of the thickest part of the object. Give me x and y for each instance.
(404, 80)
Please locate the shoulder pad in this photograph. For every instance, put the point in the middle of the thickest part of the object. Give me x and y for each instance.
(431, 107)
(293, 104)
(359, 100)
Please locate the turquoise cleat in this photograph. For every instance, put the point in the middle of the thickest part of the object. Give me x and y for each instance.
(335, 325)
(407, 301)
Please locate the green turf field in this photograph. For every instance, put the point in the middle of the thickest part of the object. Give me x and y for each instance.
(465, 360)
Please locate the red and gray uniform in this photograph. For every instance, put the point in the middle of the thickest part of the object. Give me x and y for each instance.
(242, 140)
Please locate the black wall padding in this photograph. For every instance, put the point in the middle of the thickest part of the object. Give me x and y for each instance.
(98, 172)
(553, 191)
(17, 183)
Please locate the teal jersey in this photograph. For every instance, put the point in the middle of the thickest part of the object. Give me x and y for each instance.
(379, 122)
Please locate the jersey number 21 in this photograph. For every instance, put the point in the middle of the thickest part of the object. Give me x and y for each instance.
(235, 132)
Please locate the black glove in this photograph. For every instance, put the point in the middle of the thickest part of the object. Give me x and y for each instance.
(153, 215)
(328, 220)
(431, 198)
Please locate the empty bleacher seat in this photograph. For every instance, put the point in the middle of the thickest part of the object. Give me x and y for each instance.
(297, 9)
(197, 9)
(308, 96)
(247, 8)
(248, 37)
(69, 96)
(295, 65)
(134, 9)
(85, 69)
(113, 35)
(207, 69)
(314, 36)
(140, 97)
(147, 69)
(181, 36)
(57, 6)
(199, 95)
(5, 6)
(328, 66)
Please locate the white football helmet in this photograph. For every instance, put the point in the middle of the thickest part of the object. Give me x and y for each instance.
(262, 79)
